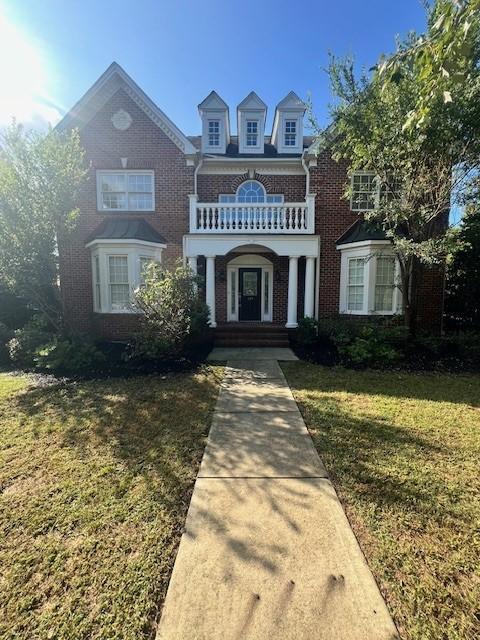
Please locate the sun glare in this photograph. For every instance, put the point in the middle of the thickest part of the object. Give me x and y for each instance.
(24, 81)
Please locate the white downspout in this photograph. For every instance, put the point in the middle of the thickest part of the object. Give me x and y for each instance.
(317, 274)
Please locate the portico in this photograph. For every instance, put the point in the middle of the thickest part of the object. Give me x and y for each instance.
(251, 282)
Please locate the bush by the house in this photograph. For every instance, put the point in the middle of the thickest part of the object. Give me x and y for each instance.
(36, 346)
(26, 341)
(174, 320)
(69, 354)
(359, 345)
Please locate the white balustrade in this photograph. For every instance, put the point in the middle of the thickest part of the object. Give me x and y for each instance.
(218, 217)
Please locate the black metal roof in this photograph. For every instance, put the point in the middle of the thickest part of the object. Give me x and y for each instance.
(362, 231)
(269, 150)
(126, 229)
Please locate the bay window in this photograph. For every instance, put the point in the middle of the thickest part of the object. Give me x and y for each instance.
(125, 191)
(369, 279)
(118, 268)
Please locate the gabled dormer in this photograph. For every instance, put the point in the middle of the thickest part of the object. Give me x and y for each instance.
(287, 133)
(215, 124)
(251, 114)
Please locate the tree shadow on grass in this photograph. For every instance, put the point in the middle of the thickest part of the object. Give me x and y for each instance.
(435, 387)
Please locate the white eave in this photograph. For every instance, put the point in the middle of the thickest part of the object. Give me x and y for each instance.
(113, 79)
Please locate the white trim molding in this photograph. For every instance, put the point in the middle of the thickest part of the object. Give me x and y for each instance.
(369, 253)
(266, 292)
(220, 245)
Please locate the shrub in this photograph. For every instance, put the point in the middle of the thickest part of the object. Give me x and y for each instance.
(369, 349)
(27, 340)
(69, 354)
(307, 334)
(5, 335)
(174, 321)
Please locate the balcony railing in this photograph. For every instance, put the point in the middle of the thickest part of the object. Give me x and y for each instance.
(219, 217)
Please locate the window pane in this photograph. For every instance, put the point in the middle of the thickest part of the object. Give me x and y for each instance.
(233, 292)
(140, 201)
(251, 192)
(250, 281)
(113, 182)
(140, 182)
(120, 296)
(364, 187)
(118, 269)
(114, 200)
(355, 289)
(98, 301)
(384, 283)
(266, 292)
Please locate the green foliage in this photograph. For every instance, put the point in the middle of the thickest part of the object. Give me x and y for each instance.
(5, 335)
(462, 304)
(307, 334)
(441, 59)
(69, 354)
(23, 346)
(369, 349)
(174, 319)
(39, 181)
(418, 168)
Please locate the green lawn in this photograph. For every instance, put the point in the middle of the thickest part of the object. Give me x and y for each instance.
(95, 481)
(403, 452)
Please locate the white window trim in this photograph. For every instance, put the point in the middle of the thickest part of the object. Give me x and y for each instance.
(376, 194)
(126, 173)
(251, 204)
(254, 262)
(251, 115)
(281, 146)
(133, 250)
(214, 147)
(369, 251)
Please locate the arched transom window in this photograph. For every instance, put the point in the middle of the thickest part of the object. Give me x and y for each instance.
(250, 192)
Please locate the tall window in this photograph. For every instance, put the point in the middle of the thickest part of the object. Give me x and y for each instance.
(118, 282)
(252, 133)
(251, 192)
(214, 133)
(125, 191)
(384, 283)
(290, 133)
(96, 279)
(355, 284)
(363, 191)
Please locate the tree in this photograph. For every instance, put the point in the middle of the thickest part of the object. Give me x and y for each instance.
(420, 159)
(40, 176)
(463, 274)
(174, 319)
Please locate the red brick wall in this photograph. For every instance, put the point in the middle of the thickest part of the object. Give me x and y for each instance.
(146, 147)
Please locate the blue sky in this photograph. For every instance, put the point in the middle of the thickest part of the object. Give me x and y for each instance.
(51, 51)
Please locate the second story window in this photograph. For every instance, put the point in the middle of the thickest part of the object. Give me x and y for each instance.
(251, 192)
(364, 191)
(214, 133)
(290, 133)
(125, 191)
(252, 133)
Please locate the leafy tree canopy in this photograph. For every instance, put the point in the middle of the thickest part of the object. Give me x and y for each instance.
(40, 176)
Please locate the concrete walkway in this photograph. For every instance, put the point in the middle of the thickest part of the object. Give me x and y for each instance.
(267, 552)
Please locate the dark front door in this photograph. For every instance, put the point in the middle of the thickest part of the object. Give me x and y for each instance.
(250, 285)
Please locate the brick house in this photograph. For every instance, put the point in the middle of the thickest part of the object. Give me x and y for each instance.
(262, 218)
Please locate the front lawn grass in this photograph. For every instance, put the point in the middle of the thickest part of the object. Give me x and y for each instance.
(403, 452)
(95, 481)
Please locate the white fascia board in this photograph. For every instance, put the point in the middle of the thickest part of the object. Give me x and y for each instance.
(124, 243)
(140, 98)
(367, 244)
(217, 245)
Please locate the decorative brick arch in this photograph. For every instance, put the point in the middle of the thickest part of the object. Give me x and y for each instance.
(236, 182)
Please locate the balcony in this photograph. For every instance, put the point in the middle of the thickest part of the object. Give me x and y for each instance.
(265, 218)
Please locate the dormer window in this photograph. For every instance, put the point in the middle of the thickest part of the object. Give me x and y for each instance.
(214, 133)
(290, 133)
(252, 133)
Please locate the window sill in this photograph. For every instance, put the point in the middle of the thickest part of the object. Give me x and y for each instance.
(126, 211)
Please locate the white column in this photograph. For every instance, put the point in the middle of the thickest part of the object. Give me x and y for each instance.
(292, 292)
(210, 288)
(192, 263)
(308, 310)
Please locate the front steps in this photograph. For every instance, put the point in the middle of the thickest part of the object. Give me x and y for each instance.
(250, 334)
